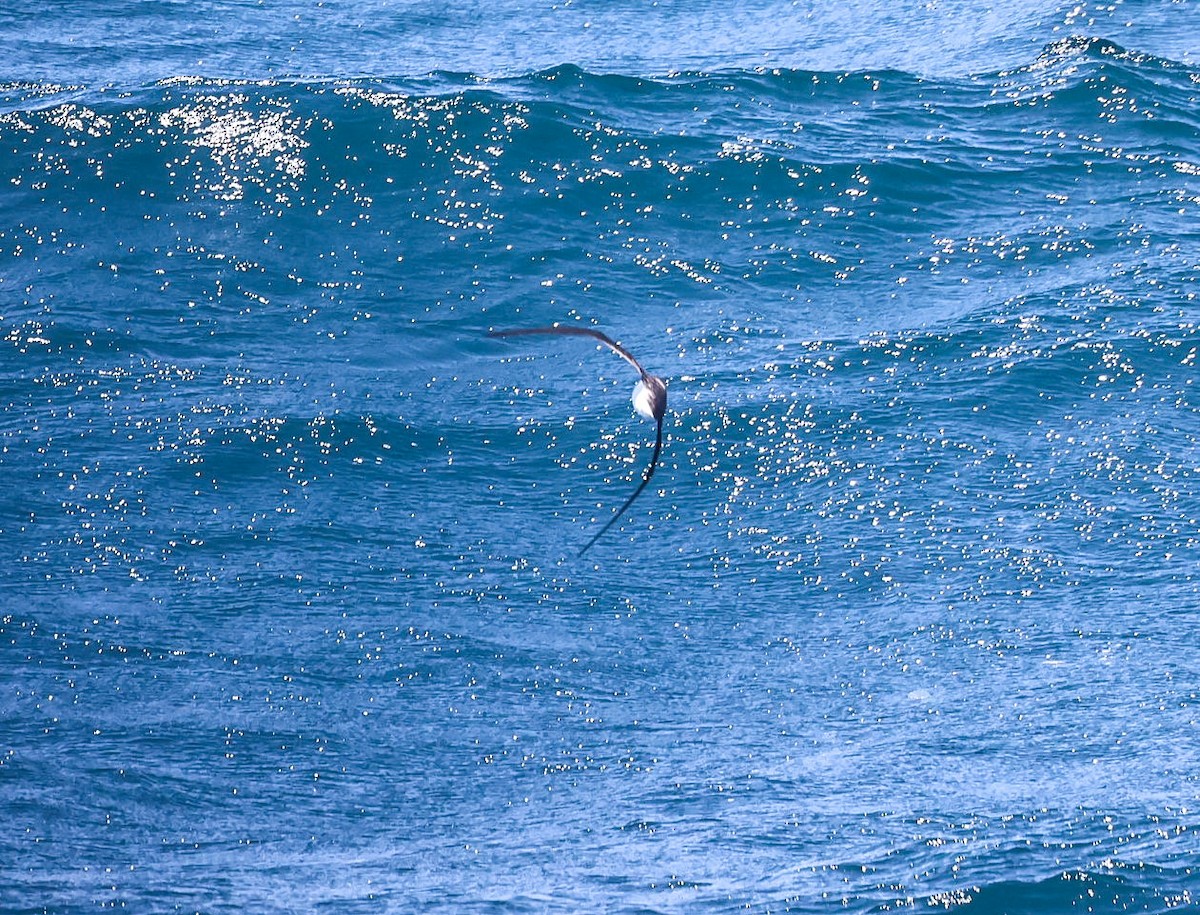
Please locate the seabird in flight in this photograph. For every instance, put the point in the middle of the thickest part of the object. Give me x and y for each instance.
(649, 399)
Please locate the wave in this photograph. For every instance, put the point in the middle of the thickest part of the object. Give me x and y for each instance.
(1114, 887)
(1056, 59)
(998, 223)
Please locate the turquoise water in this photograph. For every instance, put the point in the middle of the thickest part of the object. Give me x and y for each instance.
(293, 616)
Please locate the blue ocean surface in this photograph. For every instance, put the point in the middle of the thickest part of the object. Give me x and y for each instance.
(292, 611)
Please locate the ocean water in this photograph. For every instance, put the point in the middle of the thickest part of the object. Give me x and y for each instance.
(292, 616)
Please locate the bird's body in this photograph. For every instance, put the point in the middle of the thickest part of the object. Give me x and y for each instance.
(649, 399)
(647, 393)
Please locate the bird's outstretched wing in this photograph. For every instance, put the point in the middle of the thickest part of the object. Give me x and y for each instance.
(569, 331)
(637, 492)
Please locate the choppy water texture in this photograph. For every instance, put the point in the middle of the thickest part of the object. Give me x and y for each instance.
(292, 616)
